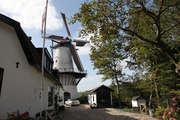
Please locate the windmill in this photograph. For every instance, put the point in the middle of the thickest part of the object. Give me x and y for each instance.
(65, 51)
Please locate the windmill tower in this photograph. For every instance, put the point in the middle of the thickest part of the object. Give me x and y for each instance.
(63, 63)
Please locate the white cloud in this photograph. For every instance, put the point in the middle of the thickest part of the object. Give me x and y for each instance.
(29, 13)
(124, 63)
(93, 78)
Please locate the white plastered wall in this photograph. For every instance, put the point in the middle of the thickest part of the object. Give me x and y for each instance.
(61, 94)
(72, 90)
(63, 59)
(90, 98)
(19, 84)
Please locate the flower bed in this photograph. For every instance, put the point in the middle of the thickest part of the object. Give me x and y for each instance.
(173, 113)
(17, 116)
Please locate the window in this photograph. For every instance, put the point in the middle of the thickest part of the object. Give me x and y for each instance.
(1, 78)
(47, 63)
(44, 60)
(50, 96)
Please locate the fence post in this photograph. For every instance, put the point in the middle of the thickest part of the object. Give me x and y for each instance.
(45, 114)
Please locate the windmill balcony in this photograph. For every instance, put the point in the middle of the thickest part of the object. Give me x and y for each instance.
(61, 70)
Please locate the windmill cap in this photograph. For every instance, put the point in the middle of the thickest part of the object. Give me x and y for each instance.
(61, 43)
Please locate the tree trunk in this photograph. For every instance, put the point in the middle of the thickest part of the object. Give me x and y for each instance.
(169, 54)
(118, 92)
(167, 103)
(157, 92)
(150, 98)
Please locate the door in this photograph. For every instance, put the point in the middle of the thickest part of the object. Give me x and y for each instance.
(67, 95)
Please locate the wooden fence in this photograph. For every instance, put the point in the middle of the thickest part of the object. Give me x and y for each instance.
(50, 115)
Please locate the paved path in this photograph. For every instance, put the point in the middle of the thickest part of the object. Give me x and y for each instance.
(84, 112)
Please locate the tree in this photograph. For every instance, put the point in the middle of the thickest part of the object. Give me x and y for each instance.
(107, 57)
(156, 67)
(153, 22)
(156, 23)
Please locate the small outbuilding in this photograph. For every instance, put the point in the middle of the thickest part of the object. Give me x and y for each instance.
(100, 97)
(139, 103)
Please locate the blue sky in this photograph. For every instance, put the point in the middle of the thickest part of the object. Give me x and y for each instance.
(29, 14)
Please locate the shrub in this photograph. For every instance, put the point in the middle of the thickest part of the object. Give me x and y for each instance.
(11, 116)
(159, 112)
(83, 99)
(174, 112)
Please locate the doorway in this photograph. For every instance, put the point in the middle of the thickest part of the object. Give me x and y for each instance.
(67, 96)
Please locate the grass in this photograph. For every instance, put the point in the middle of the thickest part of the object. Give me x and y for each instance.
(127, 110)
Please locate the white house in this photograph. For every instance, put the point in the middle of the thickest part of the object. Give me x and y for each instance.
(20, 72)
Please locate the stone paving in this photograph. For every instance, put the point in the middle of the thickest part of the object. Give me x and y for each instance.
(84, 112)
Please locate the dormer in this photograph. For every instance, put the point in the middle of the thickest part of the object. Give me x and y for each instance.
(48, 61)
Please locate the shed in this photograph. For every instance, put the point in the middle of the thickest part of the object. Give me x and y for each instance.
(139, 103)
(100, 97)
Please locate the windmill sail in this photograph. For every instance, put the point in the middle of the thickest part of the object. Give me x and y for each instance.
(64, 19)
(80, 43)
(76, 58)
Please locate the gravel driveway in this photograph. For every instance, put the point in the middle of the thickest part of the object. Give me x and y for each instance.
(84, 112)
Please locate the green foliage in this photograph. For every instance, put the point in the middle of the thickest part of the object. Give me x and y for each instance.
(143, 22)
(125, 95)
(83, 99)
(176, 92)
(158, 72)
(159, 112)
(107, 59)
(80, 94)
